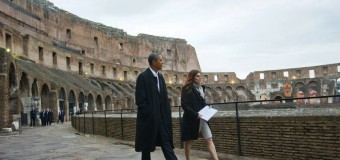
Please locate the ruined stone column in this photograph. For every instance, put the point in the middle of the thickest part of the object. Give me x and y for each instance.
(67, 111)
(4, 114)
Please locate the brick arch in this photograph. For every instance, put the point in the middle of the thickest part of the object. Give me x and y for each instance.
(278, 99)
(90, 101)
(71, 102)
(24, 85)
(209, 95)
(81, 101)
(108, 103)
(45, 96)
(264, 96)
(12, 77)
(99, 103)
(34, 89)
(241, 93)
(219, 94)
(62, 99)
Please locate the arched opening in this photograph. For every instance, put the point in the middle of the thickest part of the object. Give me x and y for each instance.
(220, 95)
(13, 102)
(312, 92)
(209, 95)
(12, 80)
(99, 103)
(45, 98)
(241, 93)
(62, 98)
(278, 99)
(337, 92)
(72, 103)
(81, 101)
(24, 85)
(90, 100)
(108, 103)
(35, 92)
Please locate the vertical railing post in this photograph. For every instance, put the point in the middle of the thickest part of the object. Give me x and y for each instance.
(92, 123)
(105, 123)
(121, 123)
(20, 126)
(180, 124)
(84, 124)
(78, 122)
(238, 130)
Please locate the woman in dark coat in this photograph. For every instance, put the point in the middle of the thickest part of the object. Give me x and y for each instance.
(192, 101)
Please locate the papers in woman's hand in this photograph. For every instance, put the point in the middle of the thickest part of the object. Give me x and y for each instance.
(207, 112)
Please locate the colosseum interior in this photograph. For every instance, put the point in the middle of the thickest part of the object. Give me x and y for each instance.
(51, 58)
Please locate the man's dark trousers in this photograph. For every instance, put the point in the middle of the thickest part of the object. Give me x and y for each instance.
(164, 137)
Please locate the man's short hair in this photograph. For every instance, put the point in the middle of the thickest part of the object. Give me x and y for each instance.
(153, 56)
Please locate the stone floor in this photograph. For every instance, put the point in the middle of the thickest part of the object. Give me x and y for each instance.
(61, 141)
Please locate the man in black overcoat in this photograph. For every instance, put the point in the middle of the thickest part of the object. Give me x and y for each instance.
(33, 115)
(154, 123)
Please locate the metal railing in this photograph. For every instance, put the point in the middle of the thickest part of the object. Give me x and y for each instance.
(236, 105)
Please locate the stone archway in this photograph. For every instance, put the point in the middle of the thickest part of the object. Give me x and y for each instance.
(72, 103)
(81, 101)
(24, 86)
(99, 103)
(13, 101)
(90, 100)
(62, 99)
(229, 94)
(12, 80)
(24, 96)
(35, 91)
(108, 103)
(278, 99)
(45, 98)
(241, 93)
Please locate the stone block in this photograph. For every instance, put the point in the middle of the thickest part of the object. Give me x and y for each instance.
(7, 130)
(15, 125)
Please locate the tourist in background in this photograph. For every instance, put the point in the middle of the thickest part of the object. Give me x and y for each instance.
(33, 115)
(192, 101)
(154, 121)
(49, 117)
(61, 116)
(41, 116)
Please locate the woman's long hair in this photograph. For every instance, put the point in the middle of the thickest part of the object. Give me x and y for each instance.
(191, 78)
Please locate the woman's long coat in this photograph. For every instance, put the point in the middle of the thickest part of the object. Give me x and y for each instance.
(153, 110)
(192, 103)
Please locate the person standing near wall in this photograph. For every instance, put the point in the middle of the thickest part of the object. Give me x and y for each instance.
(33, 115)
(61, 116)
(154, 121)
(192, 101)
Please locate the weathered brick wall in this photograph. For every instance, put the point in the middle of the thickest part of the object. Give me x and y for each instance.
(4, 111)
(312, 137)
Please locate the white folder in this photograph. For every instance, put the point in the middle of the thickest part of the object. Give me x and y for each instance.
(207, 112)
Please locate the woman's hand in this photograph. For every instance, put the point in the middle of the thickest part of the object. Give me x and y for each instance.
(199, 116)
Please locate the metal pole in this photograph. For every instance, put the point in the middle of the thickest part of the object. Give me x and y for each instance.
(20, 127)
(84, 123)
(92, 123)
(238, 131)
(121, 123)
(78, 121)
(105, 124)
(180, 124)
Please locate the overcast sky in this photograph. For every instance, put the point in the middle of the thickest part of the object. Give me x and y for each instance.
(239, 36)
